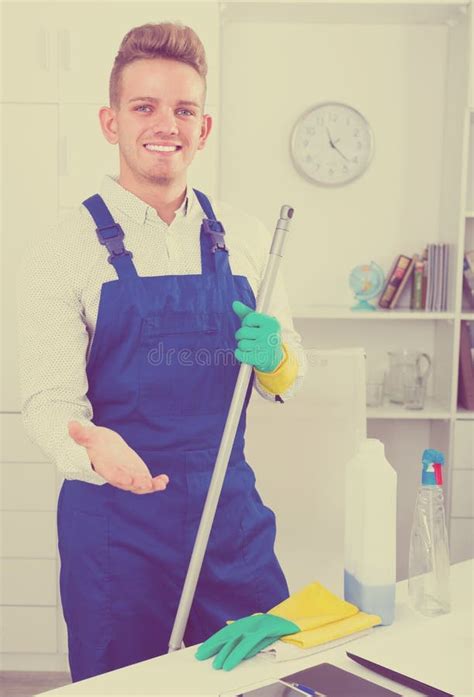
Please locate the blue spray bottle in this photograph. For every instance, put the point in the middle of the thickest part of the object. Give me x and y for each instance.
(428, 566)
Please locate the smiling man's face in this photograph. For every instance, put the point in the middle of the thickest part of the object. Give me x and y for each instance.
(161, 105)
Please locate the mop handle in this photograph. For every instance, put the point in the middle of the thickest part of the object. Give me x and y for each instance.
(227, 441)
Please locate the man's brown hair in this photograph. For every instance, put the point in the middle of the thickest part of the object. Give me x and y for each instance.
(171, 40)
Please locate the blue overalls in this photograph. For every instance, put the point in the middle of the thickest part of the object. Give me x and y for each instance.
(161, 373)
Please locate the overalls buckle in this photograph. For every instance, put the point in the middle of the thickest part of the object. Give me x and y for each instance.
(217, 232)
(113, 241)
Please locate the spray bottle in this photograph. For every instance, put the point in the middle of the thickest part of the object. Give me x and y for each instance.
(428, 566)
(370, 531)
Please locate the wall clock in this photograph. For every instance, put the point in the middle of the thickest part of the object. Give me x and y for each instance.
(331, 144)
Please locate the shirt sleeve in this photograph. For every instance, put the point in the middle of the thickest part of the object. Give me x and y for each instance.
(53, 341)
(280, 308)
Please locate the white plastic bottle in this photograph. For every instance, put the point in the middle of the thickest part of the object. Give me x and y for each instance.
(428, 564)
(371, 531)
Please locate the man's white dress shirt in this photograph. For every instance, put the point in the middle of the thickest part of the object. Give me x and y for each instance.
(58, 292)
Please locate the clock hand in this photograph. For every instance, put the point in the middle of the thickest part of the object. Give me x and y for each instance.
(340, 153)
(329, 136)
(333, 144)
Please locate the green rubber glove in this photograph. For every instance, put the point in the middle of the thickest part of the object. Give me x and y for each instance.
(243, 639)
(259, 340)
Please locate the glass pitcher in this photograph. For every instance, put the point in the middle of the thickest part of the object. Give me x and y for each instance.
(408, 373)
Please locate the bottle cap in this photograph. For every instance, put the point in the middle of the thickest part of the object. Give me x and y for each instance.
(432, 461)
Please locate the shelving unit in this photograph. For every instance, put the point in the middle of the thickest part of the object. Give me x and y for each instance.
(407, 67)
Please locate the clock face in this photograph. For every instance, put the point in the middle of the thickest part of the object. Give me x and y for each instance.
(331, 144)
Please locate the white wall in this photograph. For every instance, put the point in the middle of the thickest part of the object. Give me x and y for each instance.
(395, 76)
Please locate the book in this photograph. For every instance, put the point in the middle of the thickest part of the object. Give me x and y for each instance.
(425, 279)
(325, 679)
(438, 277)
(394, 278)
(402, 284)
(430, 278)
(444, 303)
(466, 369)
(416, 302)
(468, 277)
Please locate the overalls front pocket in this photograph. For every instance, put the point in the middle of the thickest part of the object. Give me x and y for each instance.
(179, 365)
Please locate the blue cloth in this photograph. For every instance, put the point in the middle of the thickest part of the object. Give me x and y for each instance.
(161, 373)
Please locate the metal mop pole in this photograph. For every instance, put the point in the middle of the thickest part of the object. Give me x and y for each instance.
(227, 441)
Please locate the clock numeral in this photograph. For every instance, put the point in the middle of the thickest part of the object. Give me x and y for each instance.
(320, 120)
(310, 130)
(356, 132)
(333, 117)
(355, 159)
(359, 145)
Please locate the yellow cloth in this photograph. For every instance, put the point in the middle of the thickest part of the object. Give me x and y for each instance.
(321, 616)
(283, 376)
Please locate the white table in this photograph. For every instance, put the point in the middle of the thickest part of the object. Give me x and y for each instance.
(181, 674)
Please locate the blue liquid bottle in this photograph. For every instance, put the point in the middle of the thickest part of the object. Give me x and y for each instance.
(370, 531)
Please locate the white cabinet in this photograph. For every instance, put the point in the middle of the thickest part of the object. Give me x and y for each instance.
(29, 630)
(30, 209)
(29, 53)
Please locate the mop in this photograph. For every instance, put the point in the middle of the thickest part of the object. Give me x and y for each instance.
(227, 441)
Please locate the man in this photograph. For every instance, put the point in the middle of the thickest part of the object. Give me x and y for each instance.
(126, 379)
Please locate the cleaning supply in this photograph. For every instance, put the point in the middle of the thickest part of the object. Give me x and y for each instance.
(428, 565)
(259, 339)
(310, 617)
(370, 531)
(243, 639)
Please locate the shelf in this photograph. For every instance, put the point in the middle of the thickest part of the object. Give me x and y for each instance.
(469, 214)
(464, 415)
(432, 410)
(467, 315)
(340, 312)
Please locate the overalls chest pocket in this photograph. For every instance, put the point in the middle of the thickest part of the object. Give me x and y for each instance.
(179, 364)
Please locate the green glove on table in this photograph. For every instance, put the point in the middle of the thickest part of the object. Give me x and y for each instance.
(243, 639)
(259, 339)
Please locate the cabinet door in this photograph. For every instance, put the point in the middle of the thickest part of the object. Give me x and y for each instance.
(29, 630)
(84, 153)
(90, 35)
(17, 446)
(464, 445)
(462, 500)
(28, 535)
(28, 486)
(29, 43)
(461, 541)
(29, 582)
(29, 173)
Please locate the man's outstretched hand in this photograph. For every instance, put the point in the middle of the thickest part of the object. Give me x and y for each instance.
(114, 460)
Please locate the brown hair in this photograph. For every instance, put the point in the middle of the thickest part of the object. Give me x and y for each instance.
(171, 40)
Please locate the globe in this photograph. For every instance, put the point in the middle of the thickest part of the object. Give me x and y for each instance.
(366, 281)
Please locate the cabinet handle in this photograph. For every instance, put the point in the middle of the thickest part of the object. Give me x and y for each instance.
(65, 49)
(62, 157)
(44, 49)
